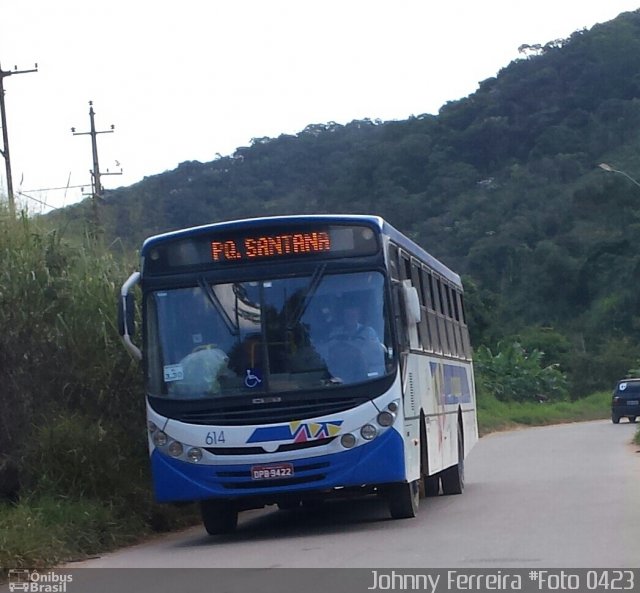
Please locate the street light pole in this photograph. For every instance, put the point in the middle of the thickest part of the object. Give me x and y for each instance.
(610, 169)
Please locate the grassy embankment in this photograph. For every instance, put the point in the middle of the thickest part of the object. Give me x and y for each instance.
(72, 429)
(494, 415)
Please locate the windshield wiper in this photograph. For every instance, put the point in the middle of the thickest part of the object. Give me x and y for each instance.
(213, 299)
(307, 295)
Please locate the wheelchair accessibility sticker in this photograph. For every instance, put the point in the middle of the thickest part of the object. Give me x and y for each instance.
(253, 378)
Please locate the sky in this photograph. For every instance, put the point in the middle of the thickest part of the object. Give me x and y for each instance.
(191, 80)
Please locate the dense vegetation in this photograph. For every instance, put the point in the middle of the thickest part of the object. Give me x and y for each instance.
(72, 433)
(503, 186)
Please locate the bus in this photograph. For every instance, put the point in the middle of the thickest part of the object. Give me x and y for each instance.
(292, 359)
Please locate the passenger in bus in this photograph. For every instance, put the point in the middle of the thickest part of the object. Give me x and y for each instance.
(197, 360)
(201, 373)
(355, 350)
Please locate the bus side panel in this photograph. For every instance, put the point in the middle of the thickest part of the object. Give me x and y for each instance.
(450, 389)
(470, 418)
(433, 408)
(378, 462)
(412, 449)
(415, 382)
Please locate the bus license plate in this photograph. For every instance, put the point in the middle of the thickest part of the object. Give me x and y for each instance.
(273, 471)
(632, 402)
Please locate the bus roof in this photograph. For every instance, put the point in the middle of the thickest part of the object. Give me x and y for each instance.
(374, 221)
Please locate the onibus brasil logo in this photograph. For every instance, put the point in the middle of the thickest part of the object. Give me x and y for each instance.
(32, 581)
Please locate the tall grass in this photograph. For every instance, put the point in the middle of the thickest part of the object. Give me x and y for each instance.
(72, 440)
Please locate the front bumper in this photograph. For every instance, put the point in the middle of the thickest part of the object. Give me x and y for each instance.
(378, 462)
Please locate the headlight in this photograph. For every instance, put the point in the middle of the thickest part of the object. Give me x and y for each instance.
(152, 427)
(368, 432)
(194, 454)
(385, 418)
(393, 407)
(175, 449)
(160, 438)
(348, 440)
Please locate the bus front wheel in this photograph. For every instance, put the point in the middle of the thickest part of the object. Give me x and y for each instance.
(403, 499)
(218, 516)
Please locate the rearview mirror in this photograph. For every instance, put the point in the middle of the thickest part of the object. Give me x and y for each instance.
(411, 302)
(126, 315)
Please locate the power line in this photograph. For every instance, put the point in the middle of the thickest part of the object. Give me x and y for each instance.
(5, 135)
(24, 195)
(54, 188)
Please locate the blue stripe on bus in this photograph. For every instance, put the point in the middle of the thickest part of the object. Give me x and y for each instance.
(378, 462)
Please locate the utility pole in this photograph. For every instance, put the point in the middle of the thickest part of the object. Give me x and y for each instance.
(5, 135)
(96, 184)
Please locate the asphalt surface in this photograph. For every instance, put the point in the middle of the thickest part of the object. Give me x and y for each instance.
(559, 496)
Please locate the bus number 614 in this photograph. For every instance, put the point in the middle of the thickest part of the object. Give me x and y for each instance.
(215, 438)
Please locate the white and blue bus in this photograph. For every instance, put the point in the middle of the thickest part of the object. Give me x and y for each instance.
(291, 359)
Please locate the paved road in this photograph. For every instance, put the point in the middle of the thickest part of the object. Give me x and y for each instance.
(561, 496)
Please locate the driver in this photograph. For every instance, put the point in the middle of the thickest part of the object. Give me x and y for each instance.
(351, 328)
(356, 352)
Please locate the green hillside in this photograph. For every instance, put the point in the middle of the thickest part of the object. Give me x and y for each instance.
(503, 186)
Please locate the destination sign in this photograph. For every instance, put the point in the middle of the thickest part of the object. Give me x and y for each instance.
(246, 246)
(271, 246)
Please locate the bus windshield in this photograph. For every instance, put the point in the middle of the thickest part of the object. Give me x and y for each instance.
(284, 334)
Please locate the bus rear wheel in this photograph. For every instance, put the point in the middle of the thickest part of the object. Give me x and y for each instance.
(218, 516)
(403, 499)
(431, 485)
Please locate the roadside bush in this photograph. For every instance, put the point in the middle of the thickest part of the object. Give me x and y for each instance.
(75, 455)
(59, 348)
(494, 414)
(512, 374)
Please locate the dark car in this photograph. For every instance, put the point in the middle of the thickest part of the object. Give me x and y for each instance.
(626, 400)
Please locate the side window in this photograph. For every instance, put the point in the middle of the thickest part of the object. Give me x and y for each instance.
(464, 330)
(447, 300)
(415, 279)
(424, 289)
(423, 331)
(438, 297)
(444, 329)
(432, 292)
(426, 282)
(456, 311)
(406, 266)
(463, 317)
(393, 261)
